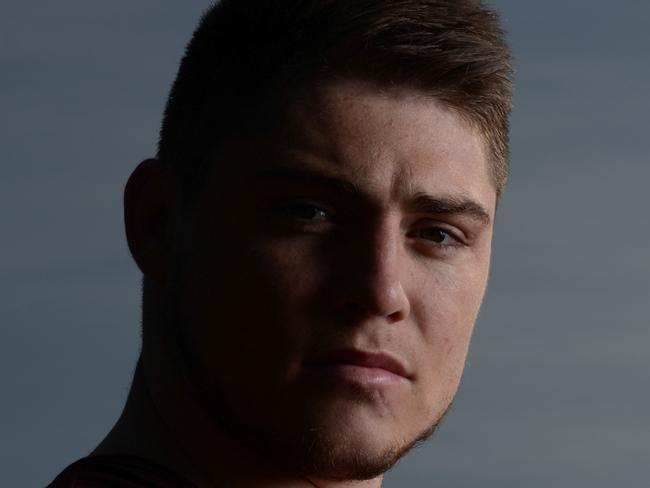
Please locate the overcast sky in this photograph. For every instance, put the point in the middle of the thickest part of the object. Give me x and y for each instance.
(557, 389)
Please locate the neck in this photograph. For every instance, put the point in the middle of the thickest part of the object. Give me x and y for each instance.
(162, 422)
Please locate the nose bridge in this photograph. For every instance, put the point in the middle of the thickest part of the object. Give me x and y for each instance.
(384, 258)
(375, 281)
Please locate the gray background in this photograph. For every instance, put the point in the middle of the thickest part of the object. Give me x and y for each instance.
(557, 387)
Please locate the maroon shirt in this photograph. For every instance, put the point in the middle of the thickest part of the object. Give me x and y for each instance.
(118, 471)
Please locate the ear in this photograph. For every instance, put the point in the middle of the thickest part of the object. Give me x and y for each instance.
(150, 209)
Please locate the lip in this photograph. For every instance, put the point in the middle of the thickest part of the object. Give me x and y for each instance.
(365, 363)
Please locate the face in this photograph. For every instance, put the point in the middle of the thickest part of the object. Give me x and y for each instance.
(331, 273)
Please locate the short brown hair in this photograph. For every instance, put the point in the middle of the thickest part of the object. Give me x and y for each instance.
(247, 58)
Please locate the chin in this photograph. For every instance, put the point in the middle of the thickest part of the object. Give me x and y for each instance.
(354, 444)
(350, 456)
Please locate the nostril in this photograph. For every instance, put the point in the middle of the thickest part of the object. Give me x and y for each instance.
(397, 316)
(391, 305)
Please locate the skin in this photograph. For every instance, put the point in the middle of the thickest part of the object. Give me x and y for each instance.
(363, 221)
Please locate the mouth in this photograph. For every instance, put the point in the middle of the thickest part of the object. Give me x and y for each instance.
(362, 367)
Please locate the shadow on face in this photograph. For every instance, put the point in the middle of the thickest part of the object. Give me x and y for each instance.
(330, 275)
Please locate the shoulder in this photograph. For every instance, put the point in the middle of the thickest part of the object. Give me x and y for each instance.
(117, 471)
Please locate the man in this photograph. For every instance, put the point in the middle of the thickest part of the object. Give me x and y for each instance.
(314, 237)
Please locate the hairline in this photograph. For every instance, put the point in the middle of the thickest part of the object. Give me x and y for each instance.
(283, 102)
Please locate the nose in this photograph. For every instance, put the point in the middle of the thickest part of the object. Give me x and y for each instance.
(370, 283)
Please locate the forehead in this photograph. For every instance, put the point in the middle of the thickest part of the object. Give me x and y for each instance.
(391, 144)
(383, 136)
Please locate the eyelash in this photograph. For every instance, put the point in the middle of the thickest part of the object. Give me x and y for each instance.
(301, 210)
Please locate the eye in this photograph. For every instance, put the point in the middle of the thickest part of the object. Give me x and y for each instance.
(438, 235)
(305, 211)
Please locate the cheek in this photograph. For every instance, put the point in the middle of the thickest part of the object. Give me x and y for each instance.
(241, 305)
(445, 313)
(446, 305)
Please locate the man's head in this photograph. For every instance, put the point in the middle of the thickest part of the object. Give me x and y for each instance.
(248, 58)
(339, 164)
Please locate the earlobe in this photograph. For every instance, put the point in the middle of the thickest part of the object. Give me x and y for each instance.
(150, 203)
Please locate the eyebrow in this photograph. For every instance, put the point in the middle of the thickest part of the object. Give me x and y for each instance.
(451, 206)
(304, 176)
(421, 202)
